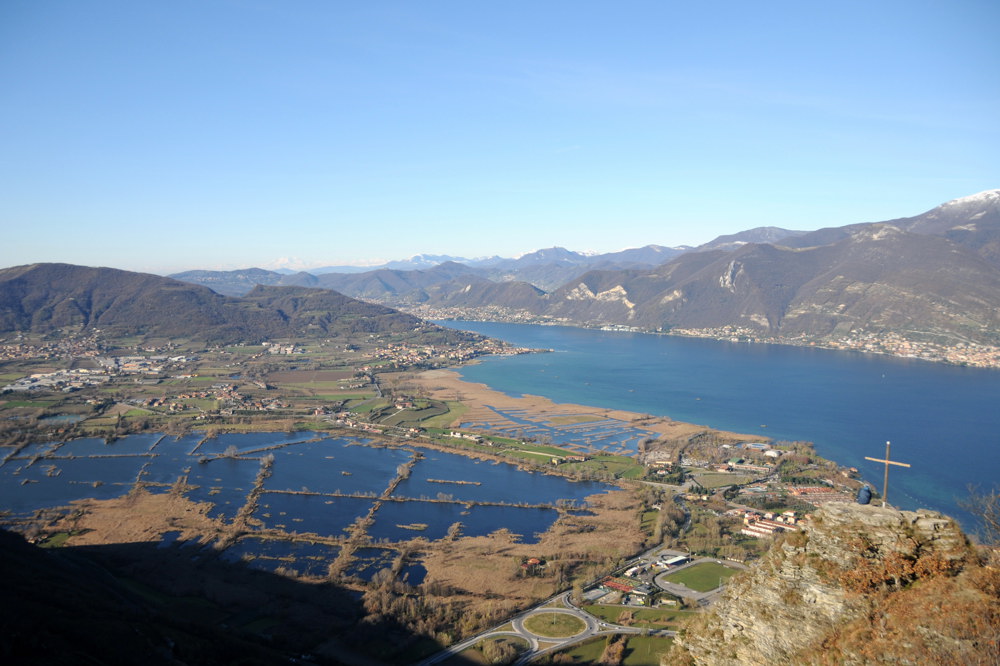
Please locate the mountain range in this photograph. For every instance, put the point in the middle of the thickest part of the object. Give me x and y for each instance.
(45, 298)
(933, 277)
(546, 269)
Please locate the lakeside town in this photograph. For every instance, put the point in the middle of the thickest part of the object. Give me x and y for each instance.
(889, 342)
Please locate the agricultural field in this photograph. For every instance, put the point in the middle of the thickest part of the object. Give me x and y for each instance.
(713, 480)
(622, 467)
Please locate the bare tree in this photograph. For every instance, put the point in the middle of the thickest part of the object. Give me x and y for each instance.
(986, 507)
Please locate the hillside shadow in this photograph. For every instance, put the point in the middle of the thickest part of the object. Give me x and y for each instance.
(143, 603)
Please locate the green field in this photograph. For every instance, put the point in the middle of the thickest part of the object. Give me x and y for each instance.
(336, 397)
(621, 467)
(647, 521)
(414, 417)
(454, 413)
(639, 651)
(366, 407)
(554, 625)
(203, 379)
(133, 413)
(551, 451)
(642, 617)
(702, 577)
(713, 480)
(312, 386)
(28, 403)
(528, 456)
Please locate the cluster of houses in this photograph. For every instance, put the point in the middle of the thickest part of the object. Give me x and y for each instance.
(284, 350)
(61, 380)
(70, 380)
(633, 586)
(817, 495)
(636, 591)
(19, 350)
(458, 434)
(403, 355)
(768, 524)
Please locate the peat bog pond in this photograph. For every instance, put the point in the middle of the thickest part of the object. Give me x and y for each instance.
(304, 494)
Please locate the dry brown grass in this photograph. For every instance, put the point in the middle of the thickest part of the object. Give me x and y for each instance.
(485, 567)
(138, 517)
(449, 385)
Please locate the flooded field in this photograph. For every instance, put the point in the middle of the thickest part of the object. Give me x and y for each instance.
(301, 557)
(459, 478)
(586, 435)
(297, 499)
(324, 515)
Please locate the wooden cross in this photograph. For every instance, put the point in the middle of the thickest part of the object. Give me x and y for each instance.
(885, 484)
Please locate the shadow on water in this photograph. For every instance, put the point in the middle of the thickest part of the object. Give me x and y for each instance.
(145, 603)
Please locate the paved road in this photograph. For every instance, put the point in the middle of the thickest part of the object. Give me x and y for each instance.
(561, 603)
(557, 604)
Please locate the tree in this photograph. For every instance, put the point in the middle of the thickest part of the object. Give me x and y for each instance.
(614, 651)
(986, 507)
(499, 651)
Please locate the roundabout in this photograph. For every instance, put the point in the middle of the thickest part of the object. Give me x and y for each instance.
(554, 624)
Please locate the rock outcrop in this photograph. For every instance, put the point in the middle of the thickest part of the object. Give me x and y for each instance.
(855, 576)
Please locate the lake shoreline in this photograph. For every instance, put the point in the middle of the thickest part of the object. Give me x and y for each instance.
(448, 384)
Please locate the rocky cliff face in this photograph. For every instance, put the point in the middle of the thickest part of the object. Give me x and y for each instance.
(860, 584)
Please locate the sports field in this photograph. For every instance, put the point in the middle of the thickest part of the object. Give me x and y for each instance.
(702, 577)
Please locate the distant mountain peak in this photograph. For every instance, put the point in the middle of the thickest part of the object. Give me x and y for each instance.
(988, 197)
(982, 202)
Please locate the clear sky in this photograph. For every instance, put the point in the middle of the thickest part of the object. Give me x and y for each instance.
(163, 136)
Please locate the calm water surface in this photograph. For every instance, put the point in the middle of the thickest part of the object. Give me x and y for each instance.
(944, 420)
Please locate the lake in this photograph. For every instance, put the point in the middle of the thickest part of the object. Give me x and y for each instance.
(943, 420)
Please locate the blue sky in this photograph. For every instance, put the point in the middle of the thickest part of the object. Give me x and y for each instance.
(225, 134)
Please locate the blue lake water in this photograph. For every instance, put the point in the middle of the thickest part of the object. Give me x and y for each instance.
(24, 490)
(319, 514)
(90, 446)
(395, 521)
(335, 465)
(494, 482)
(250, 441)
(943, 420)
(325, 466)
(224, 482)
(369, 561)
(310, 559)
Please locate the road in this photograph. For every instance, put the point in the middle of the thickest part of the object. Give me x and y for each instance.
(560, 603)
